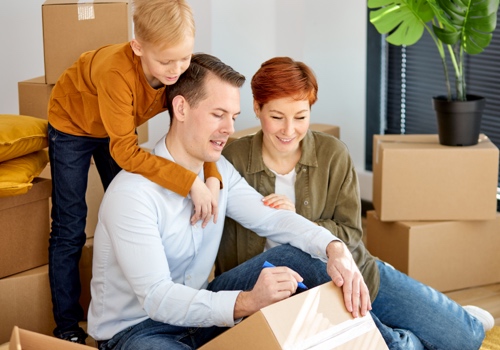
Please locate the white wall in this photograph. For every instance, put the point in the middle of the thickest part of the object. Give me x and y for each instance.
(329, 37)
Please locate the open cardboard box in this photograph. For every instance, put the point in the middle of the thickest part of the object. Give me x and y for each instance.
(315, 319)
(22, 339)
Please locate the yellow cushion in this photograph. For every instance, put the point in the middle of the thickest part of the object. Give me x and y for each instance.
(21, 135)
(16, 175)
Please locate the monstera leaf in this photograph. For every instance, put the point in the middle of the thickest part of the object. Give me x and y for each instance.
(473, 22)
(405, 20)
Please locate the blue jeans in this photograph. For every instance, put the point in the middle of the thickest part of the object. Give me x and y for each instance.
(407, 313)
(69, 167)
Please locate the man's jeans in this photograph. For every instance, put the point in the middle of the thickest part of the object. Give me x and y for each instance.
(69, 166)
(408, 314)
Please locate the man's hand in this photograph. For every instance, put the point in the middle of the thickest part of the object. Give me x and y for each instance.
(345, 273)
(205, 200)
(279, 201)
(274, 284)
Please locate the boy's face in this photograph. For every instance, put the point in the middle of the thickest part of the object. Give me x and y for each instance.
(163, 66)
(207, 126)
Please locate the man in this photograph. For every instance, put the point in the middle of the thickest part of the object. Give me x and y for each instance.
(151, 266)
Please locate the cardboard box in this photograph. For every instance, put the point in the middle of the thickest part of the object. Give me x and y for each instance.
(416, 178)
(446, 255)
(86, 274)
(22, 339)
(315, 319)
(25, 301)
(25, 229)
(34, 95)
(326, 128)
(71, 27)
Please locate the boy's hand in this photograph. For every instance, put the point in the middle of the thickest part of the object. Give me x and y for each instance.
(279, 201)
(345, 273)
(205, 205)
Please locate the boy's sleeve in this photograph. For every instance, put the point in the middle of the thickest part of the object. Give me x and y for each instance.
(210, 170)
(117, 113)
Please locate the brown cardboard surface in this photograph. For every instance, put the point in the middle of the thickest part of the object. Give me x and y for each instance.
(94, 195)
(326, 128)
(25, 229)
(34, 97)
(317, 316)
(25, 301)
(71, 27)
(446, 255)
(22, 339)
(416, 178)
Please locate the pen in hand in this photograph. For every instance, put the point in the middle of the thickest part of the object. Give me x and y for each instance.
(268, 264)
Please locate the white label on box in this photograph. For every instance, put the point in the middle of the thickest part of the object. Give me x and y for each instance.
(85, 12)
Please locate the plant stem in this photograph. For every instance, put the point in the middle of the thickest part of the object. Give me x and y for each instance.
(442, 54)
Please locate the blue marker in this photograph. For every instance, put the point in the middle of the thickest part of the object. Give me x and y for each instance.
(268, 264)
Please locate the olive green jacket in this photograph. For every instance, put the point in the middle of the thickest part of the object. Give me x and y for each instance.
(326, 192)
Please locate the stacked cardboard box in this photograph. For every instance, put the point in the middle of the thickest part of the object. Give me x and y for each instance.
(435, 210)
(71, 27)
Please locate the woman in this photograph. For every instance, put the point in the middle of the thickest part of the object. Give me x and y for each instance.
(312, 173)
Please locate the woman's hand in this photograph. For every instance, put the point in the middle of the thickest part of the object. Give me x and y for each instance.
(205, 200)
(279, 201)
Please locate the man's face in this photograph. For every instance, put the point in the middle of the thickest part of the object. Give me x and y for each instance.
(209, 124)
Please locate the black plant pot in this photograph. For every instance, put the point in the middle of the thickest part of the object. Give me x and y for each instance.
(459, 121)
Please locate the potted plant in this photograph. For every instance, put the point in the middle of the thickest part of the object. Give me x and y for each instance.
(457, 27)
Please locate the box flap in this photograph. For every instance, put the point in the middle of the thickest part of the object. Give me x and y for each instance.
(22, 339)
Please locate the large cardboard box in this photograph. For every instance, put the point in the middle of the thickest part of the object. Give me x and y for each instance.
(315, 319)
(416, 178)
(446, 255)
(34, 95)
(22, 339)
(25, 301)
(326, 128)
(25, 229)
(71, 27)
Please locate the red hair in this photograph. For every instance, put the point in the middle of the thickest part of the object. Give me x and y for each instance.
(282, 77)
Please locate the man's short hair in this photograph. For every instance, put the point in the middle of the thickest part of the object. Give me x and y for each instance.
(191, 84)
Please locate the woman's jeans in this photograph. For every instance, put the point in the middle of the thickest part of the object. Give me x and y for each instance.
(70, 158)
(408, 314)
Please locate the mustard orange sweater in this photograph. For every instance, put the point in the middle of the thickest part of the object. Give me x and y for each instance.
(105, 94)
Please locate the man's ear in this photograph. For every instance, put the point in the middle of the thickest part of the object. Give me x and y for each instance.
(136, 47)
(179, 106)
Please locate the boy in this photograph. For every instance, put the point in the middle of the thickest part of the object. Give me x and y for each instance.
(94, 110)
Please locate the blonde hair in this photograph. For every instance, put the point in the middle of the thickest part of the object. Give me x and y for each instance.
(162, 22)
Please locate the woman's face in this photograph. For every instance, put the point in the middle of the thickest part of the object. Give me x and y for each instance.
(284, 122)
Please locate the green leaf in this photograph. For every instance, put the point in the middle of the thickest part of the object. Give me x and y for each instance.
(475, 20)
(404, 19)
